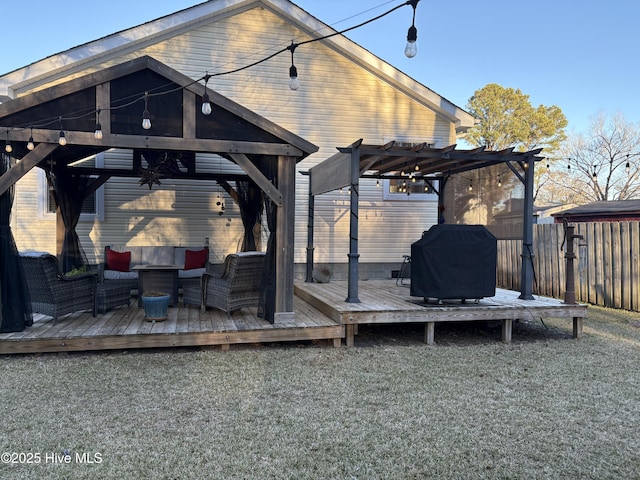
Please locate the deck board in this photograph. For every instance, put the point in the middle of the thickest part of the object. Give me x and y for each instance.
(126, 327)
(384, 302)
(321, 312)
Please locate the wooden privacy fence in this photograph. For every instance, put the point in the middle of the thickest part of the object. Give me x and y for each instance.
(607, 267)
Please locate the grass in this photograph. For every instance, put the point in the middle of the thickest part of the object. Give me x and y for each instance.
(545, 406)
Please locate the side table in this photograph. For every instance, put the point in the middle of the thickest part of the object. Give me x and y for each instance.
(111, 295)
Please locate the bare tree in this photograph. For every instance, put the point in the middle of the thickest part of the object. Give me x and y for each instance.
(601, 165)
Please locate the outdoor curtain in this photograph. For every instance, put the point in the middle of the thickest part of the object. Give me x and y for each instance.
(69, 192)
(15, 302)
(267, 305)
(250, 201)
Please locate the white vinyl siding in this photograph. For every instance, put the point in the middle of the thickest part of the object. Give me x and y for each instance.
(338, 103)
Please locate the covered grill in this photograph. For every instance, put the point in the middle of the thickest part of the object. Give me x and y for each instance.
(454, 262)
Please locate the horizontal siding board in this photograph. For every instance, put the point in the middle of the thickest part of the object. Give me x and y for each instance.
(323, 112)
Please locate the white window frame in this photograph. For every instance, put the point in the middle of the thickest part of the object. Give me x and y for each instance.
(43, 197)
(387, 195)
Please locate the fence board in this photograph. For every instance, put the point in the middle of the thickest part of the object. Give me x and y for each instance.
(607, 266)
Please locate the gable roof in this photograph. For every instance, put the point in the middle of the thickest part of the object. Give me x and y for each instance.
(604, 208)
(83, 56)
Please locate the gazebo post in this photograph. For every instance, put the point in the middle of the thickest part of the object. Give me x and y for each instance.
(310, 220)
(352, 294)
(526, 277)
(285, 240)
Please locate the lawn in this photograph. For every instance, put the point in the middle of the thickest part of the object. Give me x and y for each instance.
(545, 406)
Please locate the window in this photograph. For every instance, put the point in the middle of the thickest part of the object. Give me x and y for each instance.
(412, 187)
(92, 208)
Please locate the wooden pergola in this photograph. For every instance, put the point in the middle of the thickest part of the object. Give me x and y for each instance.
(115, 98)
(436, 165)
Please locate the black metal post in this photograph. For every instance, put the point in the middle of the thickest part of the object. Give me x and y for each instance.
(310, 220)
(526, 277)
(352, 295)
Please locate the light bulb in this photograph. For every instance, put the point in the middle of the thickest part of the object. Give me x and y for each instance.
(206, 104)
(30, 145)
(8, 148)
(411, 49)
(294, 83)
(146, 121)
(98, 133)
(62, 141)
(627, 167)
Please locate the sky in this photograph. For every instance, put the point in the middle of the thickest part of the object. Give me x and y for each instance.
(581, 55)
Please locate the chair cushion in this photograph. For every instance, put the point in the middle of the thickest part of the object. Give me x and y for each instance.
(119, 261)
(191, 273)
(195, 259)
(117, 275)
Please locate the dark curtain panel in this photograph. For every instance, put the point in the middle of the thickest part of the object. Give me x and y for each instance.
(267, 306)
(69, 192)
(15, 303)
(250, 200)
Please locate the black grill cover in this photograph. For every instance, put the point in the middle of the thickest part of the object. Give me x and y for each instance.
(454, 262)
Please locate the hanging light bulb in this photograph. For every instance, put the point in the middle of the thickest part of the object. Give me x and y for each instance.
(411, 48)
(378, 182)
(417, 169)
(499, 181)
(97, 134)
(294, 83)
(471, 186)
(7, 146)
(206, 103)
(62, 140)
(627, 167)
(146, 117)
(30, 145)
(569, 165)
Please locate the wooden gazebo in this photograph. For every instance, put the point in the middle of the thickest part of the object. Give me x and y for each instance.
(436, 165)
(115, 98)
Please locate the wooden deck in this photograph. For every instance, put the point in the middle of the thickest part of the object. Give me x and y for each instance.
(126, 328)
(382, 301)
(321, 313)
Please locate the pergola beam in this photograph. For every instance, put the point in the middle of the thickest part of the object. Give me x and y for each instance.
(149, 142)
(23, 167)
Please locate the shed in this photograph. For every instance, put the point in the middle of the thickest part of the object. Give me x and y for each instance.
(605, 211)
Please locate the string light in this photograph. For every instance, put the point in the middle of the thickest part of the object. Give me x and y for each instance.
(378, 182)
(294, 83)
(595, 175)
(62, 140)
(627, 167)
(471, 186)
(98, 132)
(499, 181)
(206, 103)
(411, 48)
(146, 118)
(7, 146)
(30, 145)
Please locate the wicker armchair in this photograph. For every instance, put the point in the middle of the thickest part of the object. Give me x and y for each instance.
(54, 294)
(237, 287)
